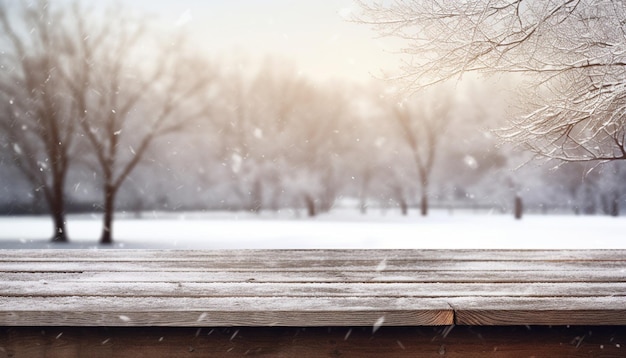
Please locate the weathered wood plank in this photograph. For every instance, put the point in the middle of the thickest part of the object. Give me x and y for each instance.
(345, 289)
(312, 287)
(312, 255)
(222, 311)
(539, 311)
(268, 264)
(278, 342)
(324, 276)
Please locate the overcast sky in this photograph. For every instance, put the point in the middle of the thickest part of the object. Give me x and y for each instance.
(311, 34)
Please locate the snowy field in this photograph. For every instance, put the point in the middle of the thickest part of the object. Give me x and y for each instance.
(341, 229)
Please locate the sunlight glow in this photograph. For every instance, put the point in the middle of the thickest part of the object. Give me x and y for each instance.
(314, 34)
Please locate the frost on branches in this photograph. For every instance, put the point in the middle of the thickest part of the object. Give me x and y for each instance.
(571, 53)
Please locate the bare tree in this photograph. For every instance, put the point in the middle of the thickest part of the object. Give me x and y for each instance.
(319, 139)
(257, 109)
(125, 104)
(423, 124)
(572, 52)
(280, 134)
(37, 119)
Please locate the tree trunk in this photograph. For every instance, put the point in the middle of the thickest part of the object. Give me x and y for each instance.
(58, 217)
(57, 207)
(310, 205)
(404, 207)
(364, 191)
(425, 190)
(615, 206)
(256, 202)
(519, 209)
(109, 206)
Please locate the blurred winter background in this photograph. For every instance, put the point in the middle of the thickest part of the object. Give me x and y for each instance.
(269, 124)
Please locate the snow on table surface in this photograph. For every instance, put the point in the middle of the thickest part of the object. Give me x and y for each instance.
(340, 229)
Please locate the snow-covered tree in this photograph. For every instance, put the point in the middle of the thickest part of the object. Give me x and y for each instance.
(572, 53)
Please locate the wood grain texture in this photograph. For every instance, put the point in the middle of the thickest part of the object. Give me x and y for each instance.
(311, 287)
(318, 255)
(385, 276)
(344, 289)
(268, 264)
(601, 310)
(222, 311)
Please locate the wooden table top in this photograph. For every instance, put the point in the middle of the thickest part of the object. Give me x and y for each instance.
(311, 287)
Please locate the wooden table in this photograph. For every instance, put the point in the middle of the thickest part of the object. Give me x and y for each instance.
(366, 297)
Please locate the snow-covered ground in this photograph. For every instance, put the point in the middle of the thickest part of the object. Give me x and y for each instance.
(341, 229)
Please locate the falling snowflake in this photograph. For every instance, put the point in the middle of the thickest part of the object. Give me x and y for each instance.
(202, 317)
(125, 318)
(381, 266)
(234, 335)
(379, 323)
(470, 162)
